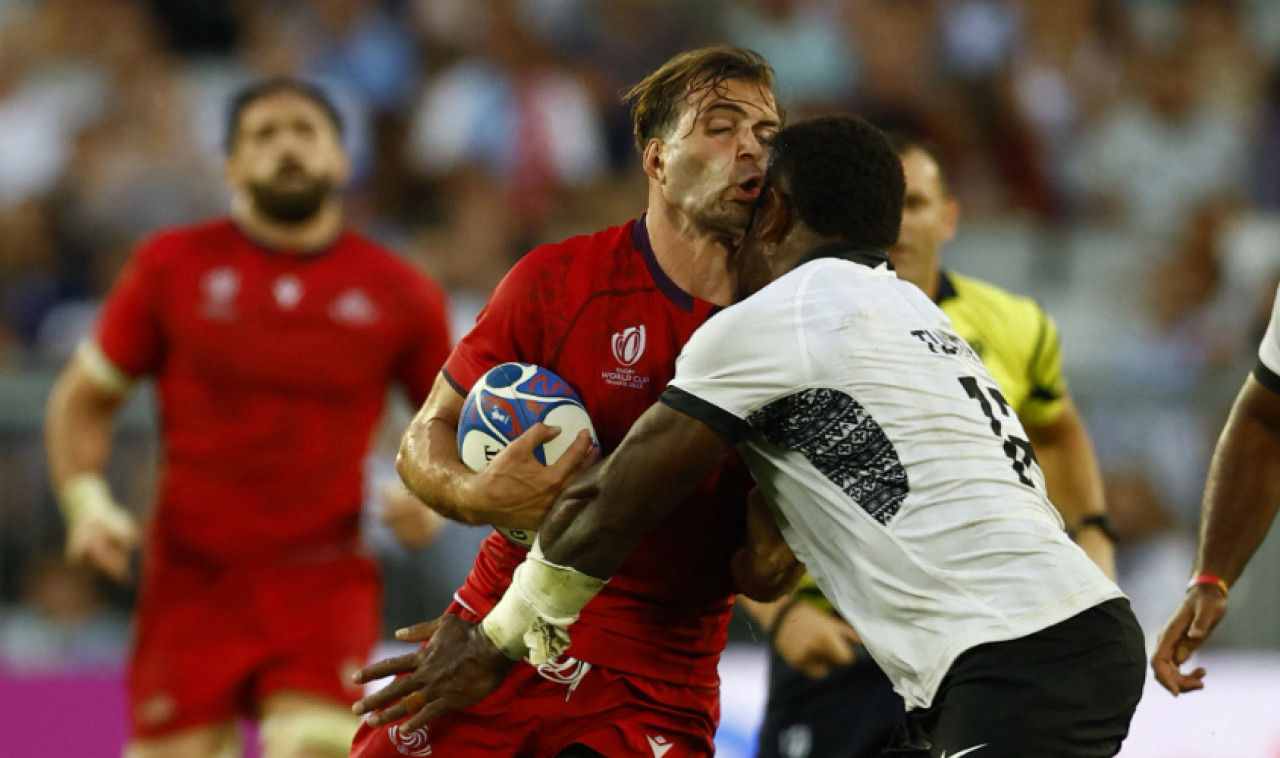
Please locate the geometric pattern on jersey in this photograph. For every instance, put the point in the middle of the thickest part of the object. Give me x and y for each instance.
(840, 439)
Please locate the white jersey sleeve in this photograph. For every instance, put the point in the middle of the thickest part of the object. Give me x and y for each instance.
(742, 359)
(1268, 370)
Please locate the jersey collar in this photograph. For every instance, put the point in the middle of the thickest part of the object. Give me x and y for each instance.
(871, 257)
(640, 240)
(946, 288)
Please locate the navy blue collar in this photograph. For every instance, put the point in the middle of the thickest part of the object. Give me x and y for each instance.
(946, 289)
(640, 239)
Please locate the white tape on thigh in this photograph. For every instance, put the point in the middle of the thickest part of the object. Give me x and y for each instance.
(322, 729)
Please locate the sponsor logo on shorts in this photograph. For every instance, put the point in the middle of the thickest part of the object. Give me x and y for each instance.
(659, 745)
(417, 742)
(796, 741)
(966, 751)
(157, 709)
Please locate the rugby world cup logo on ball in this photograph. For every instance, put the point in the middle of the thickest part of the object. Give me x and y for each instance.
(505, 403)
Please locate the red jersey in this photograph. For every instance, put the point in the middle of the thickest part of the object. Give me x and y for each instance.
(271, 370)
(600, 312)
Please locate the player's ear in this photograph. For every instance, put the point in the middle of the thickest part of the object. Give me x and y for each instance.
(652, 160)
(950, 217)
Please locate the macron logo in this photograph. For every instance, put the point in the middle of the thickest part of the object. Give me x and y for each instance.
(966, 751)
(659, 745)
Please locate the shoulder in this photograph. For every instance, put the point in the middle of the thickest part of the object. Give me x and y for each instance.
(580, 260)
(173, 245)
(984, 297)
(393, 270)
(1015, 325)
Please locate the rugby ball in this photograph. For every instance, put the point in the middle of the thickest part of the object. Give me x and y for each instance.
(503, 404)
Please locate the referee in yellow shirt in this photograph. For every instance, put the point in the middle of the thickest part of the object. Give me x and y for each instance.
(827, 698)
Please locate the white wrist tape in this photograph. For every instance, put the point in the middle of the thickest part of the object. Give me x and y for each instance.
(536, 612)
(87, 496)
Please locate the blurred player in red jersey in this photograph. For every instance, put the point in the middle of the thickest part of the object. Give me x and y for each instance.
(609, 312)
(272, 336)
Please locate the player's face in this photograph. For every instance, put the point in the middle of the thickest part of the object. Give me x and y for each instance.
(929, 216)
(711, 167)
(287, 157)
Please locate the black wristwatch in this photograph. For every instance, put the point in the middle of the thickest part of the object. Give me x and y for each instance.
(1100, 520)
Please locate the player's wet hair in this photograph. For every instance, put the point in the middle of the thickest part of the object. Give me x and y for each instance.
(275, 86)
(904, 142)
(657, 100)
(843, 178)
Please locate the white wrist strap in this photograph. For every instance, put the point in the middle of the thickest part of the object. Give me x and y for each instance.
(87, 496)
(535, 614)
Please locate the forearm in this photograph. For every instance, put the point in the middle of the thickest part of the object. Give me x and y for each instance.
(594, 524)
(594, 529)
(429, 466)
(1243, 490)
(764, 613)
(1071, 472)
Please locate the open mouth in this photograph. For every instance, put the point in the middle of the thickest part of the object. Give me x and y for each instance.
(750, 189)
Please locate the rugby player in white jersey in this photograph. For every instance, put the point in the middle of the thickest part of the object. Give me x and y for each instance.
(896, 472)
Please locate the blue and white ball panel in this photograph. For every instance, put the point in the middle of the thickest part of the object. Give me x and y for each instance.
(506, 402)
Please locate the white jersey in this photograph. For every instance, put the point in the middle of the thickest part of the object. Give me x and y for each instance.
(896, 470)
(1268, 370)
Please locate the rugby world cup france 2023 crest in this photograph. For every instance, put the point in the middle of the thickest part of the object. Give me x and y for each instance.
(503, 404)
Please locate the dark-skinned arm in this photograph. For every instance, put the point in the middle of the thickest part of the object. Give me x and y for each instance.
(1240, 502)
(598, 520)
(589, 532)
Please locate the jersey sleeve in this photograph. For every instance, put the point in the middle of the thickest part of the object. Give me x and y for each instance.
(428, 341)
(129, 331)
(1267, 372)
(1048, 388)
(507, 329)
(735, 364)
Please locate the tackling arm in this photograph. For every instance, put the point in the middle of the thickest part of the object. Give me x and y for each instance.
(589, 533)
(1074, 482)
(595, 524)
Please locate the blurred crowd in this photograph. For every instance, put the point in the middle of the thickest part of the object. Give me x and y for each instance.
(1117, 159)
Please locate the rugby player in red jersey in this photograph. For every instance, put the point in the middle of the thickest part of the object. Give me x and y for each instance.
(272, 337)
(609, 312)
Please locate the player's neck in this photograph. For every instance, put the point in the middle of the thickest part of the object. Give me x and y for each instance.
(695, 261)
(314, 235)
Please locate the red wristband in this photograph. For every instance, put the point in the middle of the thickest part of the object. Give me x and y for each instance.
(1216, 581)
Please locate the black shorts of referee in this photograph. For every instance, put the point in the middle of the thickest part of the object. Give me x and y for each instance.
(1067, 691)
